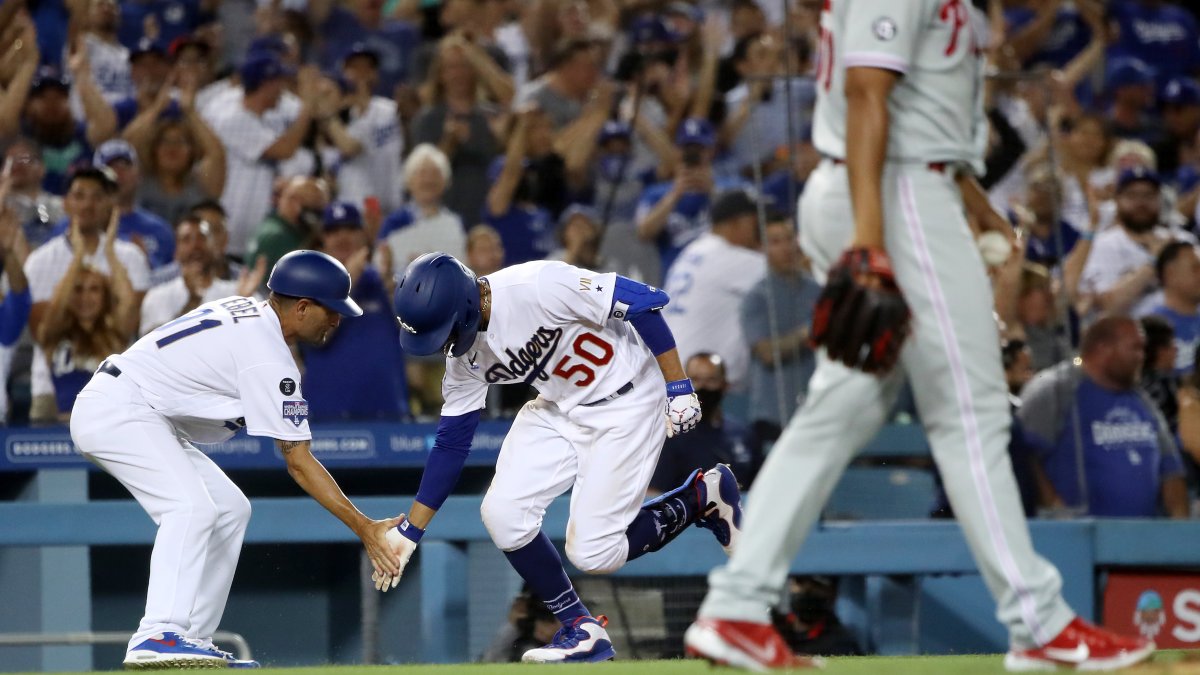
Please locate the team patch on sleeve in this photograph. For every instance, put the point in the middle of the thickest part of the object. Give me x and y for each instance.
(287, 386)
(295, 411)
(885, 29)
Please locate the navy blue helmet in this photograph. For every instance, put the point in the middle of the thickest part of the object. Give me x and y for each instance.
(437, 303)
(316, 276)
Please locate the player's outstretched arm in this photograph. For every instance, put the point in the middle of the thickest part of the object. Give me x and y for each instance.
(311, 475)
(451, 446)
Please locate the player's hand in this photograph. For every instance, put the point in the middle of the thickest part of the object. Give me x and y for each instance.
(683, 408)
(402, 541)
(861, 318)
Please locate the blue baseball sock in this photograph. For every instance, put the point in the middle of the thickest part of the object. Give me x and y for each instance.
(540, 566)
(663, 518)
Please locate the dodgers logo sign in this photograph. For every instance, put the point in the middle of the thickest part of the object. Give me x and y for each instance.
(295, 411)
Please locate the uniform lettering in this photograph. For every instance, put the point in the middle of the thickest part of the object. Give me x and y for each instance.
(529, 356)
(1187, 613)
(241, 308)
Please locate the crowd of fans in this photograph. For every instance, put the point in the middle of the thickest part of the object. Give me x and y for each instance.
(162, 153)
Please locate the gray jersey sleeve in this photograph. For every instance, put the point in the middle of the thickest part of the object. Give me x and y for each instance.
(883, 33)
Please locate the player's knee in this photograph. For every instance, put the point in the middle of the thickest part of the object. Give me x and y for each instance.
(200, 515)
(506, 523)
(597, 556)
(236, 510)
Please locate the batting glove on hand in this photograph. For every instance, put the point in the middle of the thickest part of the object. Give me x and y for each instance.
(403, 539)
(683, 408)
(861, 318)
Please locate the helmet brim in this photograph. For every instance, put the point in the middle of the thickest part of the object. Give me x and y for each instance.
(345, 307)
(426, 342)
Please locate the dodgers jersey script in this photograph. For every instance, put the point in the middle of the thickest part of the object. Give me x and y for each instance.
(936, 107)
(222, 366)
(552, 325)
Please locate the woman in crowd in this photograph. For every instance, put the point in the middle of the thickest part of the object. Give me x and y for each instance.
(85, 321)
(424, 224)
(184, 159)
(456, 117)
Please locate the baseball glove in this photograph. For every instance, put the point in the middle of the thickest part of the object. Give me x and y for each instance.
(861, 318)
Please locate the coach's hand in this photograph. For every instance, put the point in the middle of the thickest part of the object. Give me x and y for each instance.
(402, 541)
(861, 318)
(683, 408)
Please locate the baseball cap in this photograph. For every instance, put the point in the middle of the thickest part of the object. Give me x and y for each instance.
(340, 215)
(579, 210)
(1181, 91)
(260, 68)
(111, 151)
(695, 131)
(1135, 174)
(613, 129)
(686, 9)
(48, 77)
(267, 44)
(184, 41)
(361, 49)
(733, 203)
(147, 46)
(650, 29)
(1129, 71)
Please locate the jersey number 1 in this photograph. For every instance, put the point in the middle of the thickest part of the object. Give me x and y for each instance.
(590, 348)
(203, 325)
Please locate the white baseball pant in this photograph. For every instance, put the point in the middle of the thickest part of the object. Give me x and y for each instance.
(952, 359)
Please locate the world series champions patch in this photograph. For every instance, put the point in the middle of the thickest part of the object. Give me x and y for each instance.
(295, 411)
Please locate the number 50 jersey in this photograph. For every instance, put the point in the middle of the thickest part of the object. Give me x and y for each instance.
(223, 366)
(553, 326)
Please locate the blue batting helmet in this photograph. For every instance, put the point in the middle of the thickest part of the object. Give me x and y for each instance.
(437, 303)
(316, 276)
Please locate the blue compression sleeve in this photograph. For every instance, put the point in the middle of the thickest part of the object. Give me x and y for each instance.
(632, 298)
(654, 331)
(13, 315)
(445, 463)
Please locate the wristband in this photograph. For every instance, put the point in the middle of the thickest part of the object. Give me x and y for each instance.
(409, 531)
(680, 388)
(1087, 235)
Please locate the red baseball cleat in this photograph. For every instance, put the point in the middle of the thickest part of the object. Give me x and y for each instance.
(1082, 646)
(742, 644)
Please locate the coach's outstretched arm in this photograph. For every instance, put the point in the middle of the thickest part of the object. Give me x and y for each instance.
(310, 474)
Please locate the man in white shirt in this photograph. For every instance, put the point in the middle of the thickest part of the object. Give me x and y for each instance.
(196, 283)
(91, 196)
(368, 138)
(1119, 273)
(253, 147)
(708, 281)
(200, 379)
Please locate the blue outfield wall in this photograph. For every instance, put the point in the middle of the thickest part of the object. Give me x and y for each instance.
(67, 563)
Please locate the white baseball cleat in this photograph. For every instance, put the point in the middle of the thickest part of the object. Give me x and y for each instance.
(584, 641)
(721, 506)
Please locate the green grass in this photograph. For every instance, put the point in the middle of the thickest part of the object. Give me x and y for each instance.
(1164, 663)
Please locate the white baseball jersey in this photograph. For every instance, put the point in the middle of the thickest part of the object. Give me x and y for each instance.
(48, 264)
(552, 325)
(706, 284)
(376, 170)
(249, 178)
(936, 108)
(165, 301)
(219, 368)
(109, 66)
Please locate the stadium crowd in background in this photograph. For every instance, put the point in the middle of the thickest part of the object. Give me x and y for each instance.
(664, 140)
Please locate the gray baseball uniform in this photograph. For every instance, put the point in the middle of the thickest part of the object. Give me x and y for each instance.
(953, 353)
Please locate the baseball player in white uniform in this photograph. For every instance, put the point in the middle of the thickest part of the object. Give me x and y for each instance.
(899, 119)
(199, 379)
(598, 351)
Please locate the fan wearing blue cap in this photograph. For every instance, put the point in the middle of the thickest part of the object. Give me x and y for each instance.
(1131, 89)
(148, 70)
(1181, 121)
(340, 384)
(138, 225)
(366, 133)
(1120, 270)
(42, 95)
(673, 213)
(357, 22)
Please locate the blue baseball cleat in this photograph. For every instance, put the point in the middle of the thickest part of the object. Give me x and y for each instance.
(584, 641)
(721, 509)
(172, 650)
